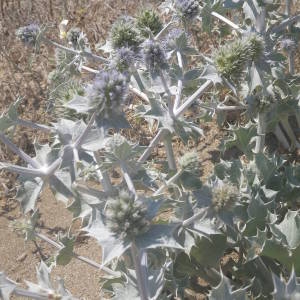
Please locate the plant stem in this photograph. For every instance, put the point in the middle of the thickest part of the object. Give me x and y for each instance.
(170, 152)
(168, 183)
(76, 52)
(281, 137)
(79, 257)
(192, 219)
(167, 90)
(19, 152)
(163, 30)
(285, 23)
(227, 21)
(138, 257)
(103, 176)
(127, 178)
(180, 83)
(261, 133)
(30, 124)
(32, 295)
(208, 84)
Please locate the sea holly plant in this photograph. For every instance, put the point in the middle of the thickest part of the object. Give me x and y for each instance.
(165, 233)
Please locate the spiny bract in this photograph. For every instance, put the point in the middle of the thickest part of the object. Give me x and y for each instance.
(125, 216)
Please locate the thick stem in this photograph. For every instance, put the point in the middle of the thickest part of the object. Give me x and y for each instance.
(191, 220)
(139, 261)
(19, 152)
(170, 152)
(173, 179)
(103, 176)
(76, 52)
(32, 295)
(227, 21)
(127, 178)
(169, 95)
(30, 124)
(207, 85)
(261, 133)
(79, 257)
(289, 131)
(180, 83)
(281, 137)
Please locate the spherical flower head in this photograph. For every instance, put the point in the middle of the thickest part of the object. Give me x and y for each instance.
(124, 34)
(124, 59)
(230, 60)
(224, 197)
(108, 91)
(256, 46)
(148, 22)
(154, 57)
(125, 216)
(188, 9)
(288, 45)
(189, 161)
(29, 34)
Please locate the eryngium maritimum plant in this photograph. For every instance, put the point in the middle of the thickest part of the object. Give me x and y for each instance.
(160, 229)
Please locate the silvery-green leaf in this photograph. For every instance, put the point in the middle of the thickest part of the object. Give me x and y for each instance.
(224, 291)
(158, 236)
(94, 141)
(112, 247)
(28, 193)
(80, 104)
(114, 120)
(45, 155)
(289, 229)
(65, 254)
(155, 283)
(43, 276)
(60, 184)
(211, 73)
(208, 251)
(129, 291)
(7, 287)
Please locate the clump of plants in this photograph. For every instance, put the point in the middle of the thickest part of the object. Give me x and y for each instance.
(246, 211)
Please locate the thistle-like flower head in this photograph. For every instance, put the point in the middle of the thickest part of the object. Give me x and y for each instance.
(124, 58)
(108, 91)
(154, 57)
(256, 46)
(188, 9)
(29, 34)
(148, 21)
(224, 197)
(125, 216)
(231, 59)
(124, 34)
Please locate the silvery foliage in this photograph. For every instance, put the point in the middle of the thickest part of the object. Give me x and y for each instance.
(239, 230)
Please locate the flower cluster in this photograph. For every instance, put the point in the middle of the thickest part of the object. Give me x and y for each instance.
(108, 91)
(126, 217)
(188, 9)
(154, 57)
(149, 22)
(232, 58)
(124, 33)
(124, 58)
(29, 34)
(224, 197)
